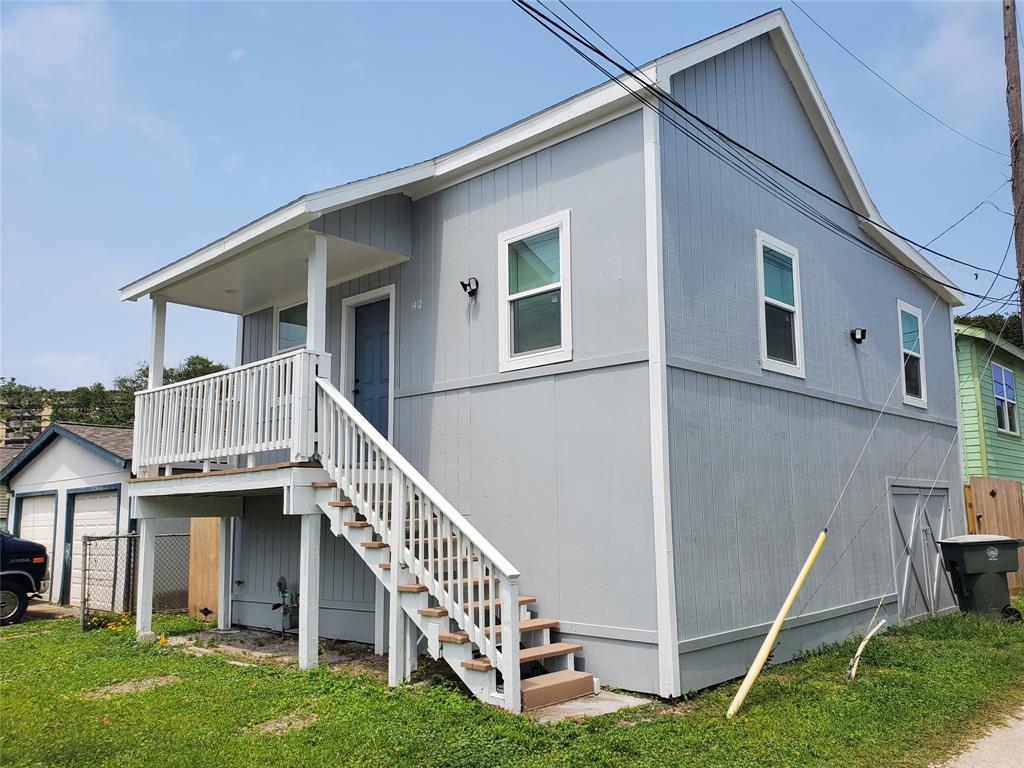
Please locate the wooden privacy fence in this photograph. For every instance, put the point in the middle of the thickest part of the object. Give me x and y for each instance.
(996, 506)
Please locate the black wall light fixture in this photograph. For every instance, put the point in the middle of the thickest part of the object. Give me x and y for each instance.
(858, 335)
(470, 286)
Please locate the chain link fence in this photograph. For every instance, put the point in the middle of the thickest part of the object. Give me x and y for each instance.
(110, 576)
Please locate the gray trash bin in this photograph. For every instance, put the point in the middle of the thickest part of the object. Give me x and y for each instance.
(977, 565)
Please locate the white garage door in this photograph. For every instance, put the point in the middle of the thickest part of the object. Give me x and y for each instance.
(95, 514)
(37, 522)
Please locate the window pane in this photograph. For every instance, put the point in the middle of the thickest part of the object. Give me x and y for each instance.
(1013, 416)
(533, 262)
(911, 332)
(1010, 384)
(778, 277)
(912, 375)
(537, 322)
(1001, 414)
(291, 327)
(780, 333)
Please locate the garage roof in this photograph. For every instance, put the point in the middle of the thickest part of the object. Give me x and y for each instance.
(111, 443)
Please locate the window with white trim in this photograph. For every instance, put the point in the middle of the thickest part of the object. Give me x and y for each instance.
(778, 282)
(534, 305)
(291, 327)
(1004, 386)
(915, 391)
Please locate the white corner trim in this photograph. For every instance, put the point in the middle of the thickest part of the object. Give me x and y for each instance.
(562, 353)
(346, 376)
(661, 490)
(901, 307)
(768, 364)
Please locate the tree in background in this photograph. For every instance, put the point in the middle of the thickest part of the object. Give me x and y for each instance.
(994, 324)
(22, 406)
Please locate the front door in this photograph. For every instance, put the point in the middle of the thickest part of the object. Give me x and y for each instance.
(372, 373)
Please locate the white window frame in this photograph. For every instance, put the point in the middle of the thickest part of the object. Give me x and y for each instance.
(277, 326)
(1016, 411)
(910, 309)
(763, 239)
(562, 353)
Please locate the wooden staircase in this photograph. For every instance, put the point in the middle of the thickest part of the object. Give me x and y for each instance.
(458, 592)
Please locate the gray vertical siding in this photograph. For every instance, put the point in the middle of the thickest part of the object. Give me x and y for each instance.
(758, 458)
(383, 222)
(266, 546)
(258, 335)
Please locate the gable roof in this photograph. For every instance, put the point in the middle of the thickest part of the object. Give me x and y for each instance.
(7, 455)
(603, 102)
(111, 443)
(982, 334)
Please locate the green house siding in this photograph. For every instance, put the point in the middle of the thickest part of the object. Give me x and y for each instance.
(971, 435)
(987, 451)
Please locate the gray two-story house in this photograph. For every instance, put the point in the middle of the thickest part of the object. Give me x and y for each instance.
(571, 403)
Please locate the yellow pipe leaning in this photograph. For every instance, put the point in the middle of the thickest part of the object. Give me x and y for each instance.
(773, 633)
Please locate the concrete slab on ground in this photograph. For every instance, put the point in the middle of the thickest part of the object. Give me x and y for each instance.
(47, 612)
(604, 703)
(1002, 747)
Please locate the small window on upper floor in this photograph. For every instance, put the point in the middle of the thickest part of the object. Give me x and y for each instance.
(534, 305)
(291, 327)
(915, 391)
(778, 278)
(1004, 385)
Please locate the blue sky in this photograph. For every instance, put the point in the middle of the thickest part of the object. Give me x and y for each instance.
(133, 133)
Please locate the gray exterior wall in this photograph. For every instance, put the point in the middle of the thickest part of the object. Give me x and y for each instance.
(551, 463)
(383, 222)
(758, 458)
(266, 545)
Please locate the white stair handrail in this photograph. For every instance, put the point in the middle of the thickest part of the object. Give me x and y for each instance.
(422, 484)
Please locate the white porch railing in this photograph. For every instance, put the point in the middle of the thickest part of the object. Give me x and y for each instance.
(425, 533)
(263, 406)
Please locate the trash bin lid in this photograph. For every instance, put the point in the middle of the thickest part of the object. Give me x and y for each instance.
(975, 538)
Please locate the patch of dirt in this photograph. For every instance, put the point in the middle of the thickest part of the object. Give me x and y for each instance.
(254, 645)
(293, 721)
(132, 686)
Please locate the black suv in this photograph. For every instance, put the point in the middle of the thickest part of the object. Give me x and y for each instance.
(24, 574)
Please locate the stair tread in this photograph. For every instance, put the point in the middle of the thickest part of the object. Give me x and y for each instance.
(322, 484)
(373, 544)
(343, 503)
(555, 687)
(412, 587)
(483, 664)
(434, 612)
(523, 600)
(549, 651)
(356, 524)
(532, 625)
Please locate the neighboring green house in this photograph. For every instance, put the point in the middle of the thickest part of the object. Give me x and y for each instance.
(989, 413)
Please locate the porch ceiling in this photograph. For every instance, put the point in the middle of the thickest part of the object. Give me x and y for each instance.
(274, 272)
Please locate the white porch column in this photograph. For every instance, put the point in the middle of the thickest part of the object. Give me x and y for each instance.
(316, 294)
(309, 590)
(144, 597)
(398, 657)
(224, 575)
(156, 342)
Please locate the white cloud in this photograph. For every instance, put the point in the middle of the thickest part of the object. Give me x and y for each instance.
(231, 162)
(20, 152)
(64, 58)
(958, 70)
(237, 54)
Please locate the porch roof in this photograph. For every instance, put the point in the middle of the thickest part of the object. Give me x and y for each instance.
(602, 102)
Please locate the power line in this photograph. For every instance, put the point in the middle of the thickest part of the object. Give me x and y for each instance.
(988, 200)
(737, 162)
(909, 100)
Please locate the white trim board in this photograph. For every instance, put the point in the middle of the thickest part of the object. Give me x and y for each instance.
(348, 327)
(669, 680)
(583, 111)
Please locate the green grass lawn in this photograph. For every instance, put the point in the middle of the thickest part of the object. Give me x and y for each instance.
(922, 690)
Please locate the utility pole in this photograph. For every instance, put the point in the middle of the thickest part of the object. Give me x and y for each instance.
(1013, 111)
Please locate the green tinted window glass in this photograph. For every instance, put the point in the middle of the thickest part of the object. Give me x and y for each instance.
(778, 277)
(291, 327)
(911, 330)
(537, 322)
(533, 262)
